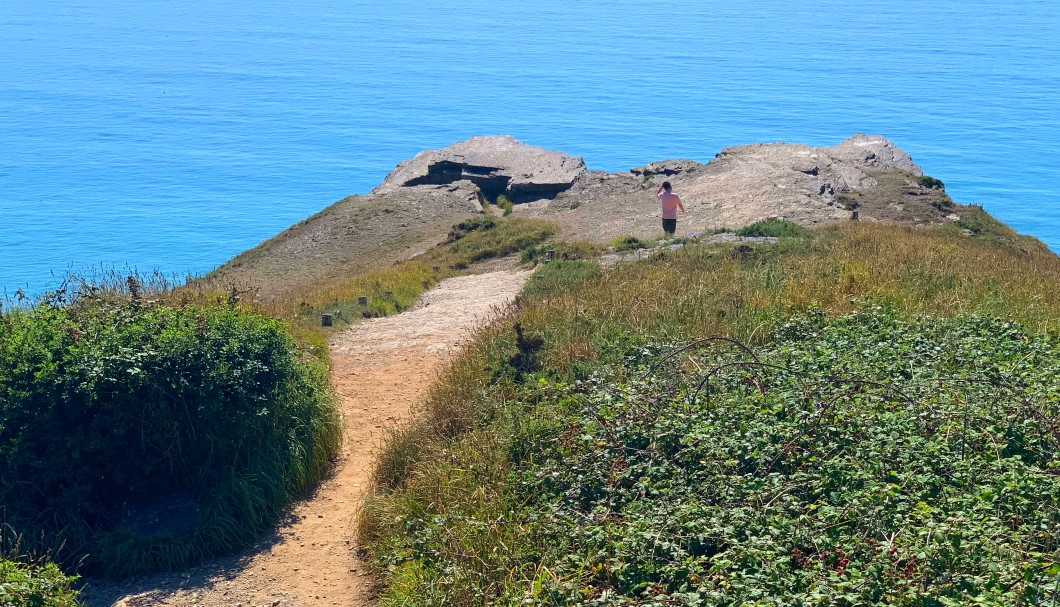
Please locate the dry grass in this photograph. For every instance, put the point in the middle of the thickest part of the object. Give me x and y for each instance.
(393, 289)
(742, 292)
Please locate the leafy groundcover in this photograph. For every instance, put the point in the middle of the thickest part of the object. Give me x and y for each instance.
(36, 585)
(858, 461)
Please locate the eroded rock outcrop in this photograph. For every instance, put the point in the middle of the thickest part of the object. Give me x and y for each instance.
(497, 164)
(746, 183)
(666, 168)
(873, 152)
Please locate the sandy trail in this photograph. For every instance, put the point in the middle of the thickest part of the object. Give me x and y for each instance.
(382, 368)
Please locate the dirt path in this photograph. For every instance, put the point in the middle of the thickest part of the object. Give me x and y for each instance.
(381, 369)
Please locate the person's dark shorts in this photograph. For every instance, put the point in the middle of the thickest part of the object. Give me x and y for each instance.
(670, 226)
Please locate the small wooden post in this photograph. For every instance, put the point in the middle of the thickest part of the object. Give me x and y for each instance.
(388, 294)
(854, 216)
(426, 284)
(326, 320)
(362, 300)
(550, 254)
(436, 268)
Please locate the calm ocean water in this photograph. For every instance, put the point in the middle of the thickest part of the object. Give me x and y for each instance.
(173, 135)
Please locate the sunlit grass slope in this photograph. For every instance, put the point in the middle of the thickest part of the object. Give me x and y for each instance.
(874, 425)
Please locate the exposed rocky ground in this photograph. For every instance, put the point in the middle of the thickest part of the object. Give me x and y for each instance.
(355, 234)
(422, 197)
(496, 165)
(747, 183)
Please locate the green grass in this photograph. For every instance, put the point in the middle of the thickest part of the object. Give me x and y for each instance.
(560, 275)
(984, 228)
(564, 463)
(496, 239)
(561, 250)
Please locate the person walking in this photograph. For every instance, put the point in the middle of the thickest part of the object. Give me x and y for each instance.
(670, 204)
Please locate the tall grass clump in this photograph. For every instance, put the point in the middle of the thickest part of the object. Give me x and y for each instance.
(567, 251)
(880, 415)
(138, 436)
(776, 228)
(505, 205)
(629, 243)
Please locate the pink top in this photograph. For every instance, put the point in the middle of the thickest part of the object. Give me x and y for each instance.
(669, 202)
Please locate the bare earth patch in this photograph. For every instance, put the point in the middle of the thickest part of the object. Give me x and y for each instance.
(382, 368)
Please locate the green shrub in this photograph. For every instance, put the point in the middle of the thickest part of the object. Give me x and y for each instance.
(468, 226)
(35, 585)
(776, 228)
(112, 412)
(931, 183)
(865, 459)
(532, 253)
(944, 203)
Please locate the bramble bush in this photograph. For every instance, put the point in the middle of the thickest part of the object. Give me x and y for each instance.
(863, 460)
(35, 585)
(114, 411)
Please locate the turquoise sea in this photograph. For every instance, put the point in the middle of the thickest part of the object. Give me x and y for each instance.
(173, 135)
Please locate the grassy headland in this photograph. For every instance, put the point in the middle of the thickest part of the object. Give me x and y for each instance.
(877, 379)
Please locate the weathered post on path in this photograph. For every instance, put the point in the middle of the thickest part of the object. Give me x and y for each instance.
(362, 300)
(326, 320)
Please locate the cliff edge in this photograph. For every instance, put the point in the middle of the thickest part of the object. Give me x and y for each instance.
(413, 208)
